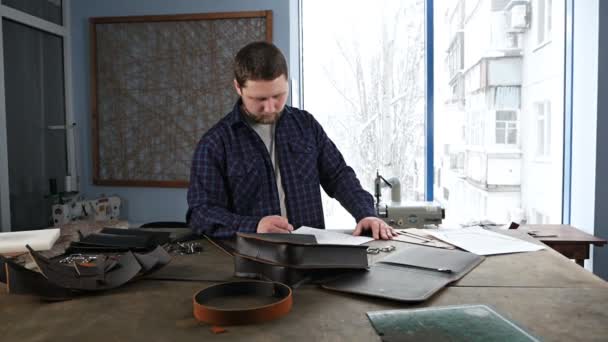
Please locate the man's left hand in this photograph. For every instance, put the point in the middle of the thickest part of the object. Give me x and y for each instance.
(379, 228)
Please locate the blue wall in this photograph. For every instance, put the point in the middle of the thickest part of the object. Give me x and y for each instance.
(600, 255)
(589, 209)
(149, 204)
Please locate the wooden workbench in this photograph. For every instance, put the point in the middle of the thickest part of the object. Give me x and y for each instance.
(566, 239)
(543, 291)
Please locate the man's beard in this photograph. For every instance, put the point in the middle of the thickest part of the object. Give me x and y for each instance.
(266, 118)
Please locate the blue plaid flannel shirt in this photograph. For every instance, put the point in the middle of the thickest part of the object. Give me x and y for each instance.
(232, 181)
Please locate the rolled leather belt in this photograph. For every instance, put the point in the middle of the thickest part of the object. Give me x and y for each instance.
(206, 311)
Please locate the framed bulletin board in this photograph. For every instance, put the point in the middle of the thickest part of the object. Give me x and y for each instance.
(157, 84)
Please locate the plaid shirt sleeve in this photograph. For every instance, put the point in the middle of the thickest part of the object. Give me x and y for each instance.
(207, 196)
(339, 180)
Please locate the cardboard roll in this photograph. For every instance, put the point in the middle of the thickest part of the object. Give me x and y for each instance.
(242, 302)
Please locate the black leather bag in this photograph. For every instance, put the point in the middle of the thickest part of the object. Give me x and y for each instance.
(299, 251)
(412, 274)
(291, 259)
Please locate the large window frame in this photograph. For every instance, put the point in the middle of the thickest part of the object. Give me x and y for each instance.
(62, 31)
(429, 116)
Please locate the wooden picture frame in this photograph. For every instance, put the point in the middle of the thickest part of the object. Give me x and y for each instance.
(157, 84)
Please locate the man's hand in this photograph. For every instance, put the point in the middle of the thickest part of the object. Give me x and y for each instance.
(379, 228)
(274, 224)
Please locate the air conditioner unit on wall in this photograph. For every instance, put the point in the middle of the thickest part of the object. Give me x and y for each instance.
(519, 17)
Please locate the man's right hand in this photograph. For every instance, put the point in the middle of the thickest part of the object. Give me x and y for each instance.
(274, 224)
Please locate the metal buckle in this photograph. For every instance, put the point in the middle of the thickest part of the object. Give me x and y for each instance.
(387, 249)
(185, 248)
(373, 250)
(377, 250)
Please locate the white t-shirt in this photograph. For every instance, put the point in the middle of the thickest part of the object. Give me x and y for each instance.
(267, 134)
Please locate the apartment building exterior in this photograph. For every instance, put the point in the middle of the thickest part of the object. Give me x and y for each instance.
(500, 156)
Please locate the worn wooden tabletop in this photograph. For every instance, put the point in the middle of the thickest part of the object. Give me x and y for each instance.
(549, 295)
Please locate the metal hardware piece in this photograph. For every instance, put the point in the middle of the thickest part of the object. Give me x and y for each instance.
(377, 250)
(78, 258)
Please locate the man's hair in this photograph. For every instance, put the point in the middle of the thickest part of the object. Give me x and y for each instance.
(259, 61)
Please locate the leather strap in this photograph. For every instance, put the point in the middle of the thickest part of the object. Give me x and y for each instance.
(245, 315)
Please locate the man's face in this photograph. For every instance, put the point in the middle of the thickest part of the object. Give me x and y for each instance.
(263, 101)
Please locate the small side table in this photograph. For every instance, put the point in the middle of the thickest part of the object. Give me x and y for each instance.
(567, 240)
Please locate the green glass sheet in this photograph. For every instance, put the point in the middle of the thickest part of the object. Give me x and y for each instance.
(449, 323)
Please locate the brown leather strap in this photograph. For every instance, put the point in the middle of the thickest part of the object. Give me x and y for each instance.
(209, 313)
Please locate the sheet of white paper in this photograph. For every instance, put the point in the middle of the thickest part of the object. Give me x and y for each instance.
(39, 240)
(483, 242)
(329, 237)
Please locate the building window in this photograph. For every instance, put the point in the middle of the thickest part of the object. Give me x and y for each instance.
(543, 20)
(543, 128)
(506, 127)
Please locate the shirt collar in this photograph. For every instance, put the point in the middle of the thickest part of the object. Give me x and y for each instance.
(235, 117)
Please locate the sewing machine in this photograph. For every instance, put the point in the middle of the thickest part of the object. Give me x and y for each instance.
(407, 214)
(101, 209)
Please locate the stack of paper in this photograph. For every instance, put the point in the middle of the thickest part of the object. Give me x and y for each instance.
(39, 240)
(329, 237)
(483, 242)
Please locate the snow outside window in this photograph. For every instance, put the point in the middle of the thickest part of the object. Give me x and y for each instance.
(363, 65)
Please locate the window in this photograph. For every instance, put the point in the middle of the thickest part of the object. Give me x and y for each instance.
(35, 97)
(543, 128)
(363, 78)
(543, 21)
(506, 127)
(507, 132)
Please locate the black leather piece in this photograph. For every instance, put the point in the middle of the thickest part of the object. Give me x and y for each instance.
(390, 282)
(58, 281)
(152, 261)
(121, 241)
(66, 276)
(127, 268)
(2, 273)
(410, 275)
(228, 246)
(75, 248)
(300, 251)
(246, 267)
(20, 280)
(167, 224)
(458, 262)
(96, 271)
(175, 234)
(157, 238)
(114, 240)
